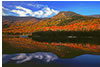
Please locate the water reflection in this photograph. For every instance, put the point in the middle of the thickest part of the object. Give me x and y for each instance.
(24, 57)
(91, 37)
(50, 58)
(63, 50)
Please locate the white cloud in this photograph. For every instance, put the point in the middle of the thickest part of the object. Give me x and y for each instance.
(45, 12)
(4, 10)
(38, 13)
(55, 11)
(25, 9)
(21, 11)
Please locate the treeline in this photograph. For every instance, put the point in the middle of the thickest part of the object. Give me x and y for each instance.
(67, 33)
(67, 36)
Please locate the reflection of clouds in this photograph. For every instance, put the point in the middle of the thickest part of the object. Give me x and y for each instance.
(90, 60)
(39, 57)
(20, 56)
(23, 57)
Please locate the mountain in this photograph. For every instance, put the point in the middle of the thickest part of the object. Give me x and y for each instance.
(70, 17)
(96, 16)
(64, 18)
(9, 20)
(65, 14)
(69, 21)
(32, 24)
(15, 18)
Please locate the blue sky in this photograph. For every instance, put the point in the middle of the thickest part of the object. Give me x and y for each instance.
(43, 9)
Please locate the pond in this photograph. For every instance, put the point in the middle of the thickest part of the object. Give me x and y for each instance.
(73, 52)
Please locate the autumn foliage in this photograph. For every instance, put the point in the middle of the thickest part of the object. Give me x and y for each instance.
(89, 25)
(80, 26)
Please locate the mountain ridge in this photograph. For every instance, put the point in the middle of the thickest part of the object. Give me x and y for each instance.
(96, 16)
(30, 24)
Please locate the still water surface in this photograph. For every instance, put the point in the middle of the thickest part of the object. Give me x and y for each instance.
(20, 50)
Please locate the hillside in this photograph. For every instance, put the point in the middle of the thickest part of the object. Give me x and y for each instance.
(68, 21)
(64, 18)
(9, 20)
(96, 16)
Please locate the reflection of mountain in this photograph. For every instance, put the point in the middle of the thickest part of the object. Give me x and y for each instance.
(63, 50)
(50, 58)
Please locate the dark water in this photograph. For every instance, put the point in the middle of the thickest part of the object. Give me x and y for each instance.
(30, 51)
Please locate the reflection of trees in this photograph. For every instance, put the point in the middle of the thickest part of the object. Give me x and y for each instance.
(91, 37)
(66, 50)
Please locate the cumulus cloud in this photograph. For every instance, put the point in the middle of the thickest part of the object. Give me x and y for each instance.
(45, 12)
(19, 12)
(25, 9)
(38, 13)
(22, 11)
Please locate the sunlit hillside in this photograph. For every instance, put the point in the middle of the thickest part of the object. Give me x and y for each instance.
(67, 21)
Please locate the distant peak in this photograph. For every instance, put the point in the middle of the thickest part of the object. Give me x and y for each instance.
(67, 13)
